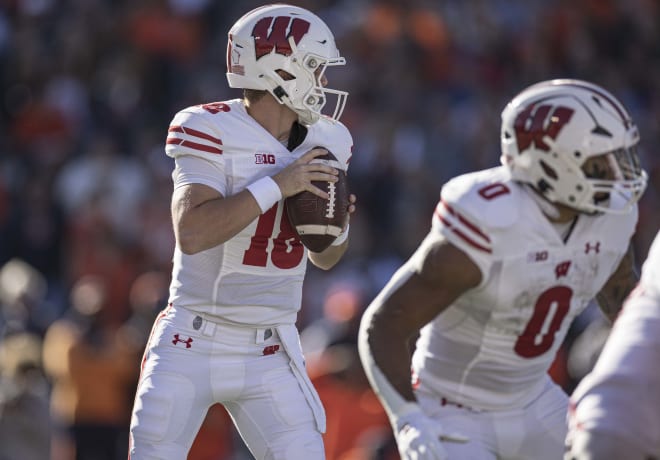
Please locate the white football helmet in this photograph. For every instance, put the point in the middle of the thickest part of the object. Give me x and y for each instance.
(289, 38)
(575, 144)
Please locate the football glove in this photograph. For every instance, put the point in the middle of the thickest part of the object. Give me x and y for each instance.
(419, 437)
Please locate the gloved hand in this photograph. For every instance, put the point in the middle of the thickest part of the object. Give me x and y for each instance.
(419, 437)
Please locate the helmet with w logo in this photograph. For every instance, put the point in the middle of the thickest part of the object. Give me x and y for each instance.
(276, 38)
(574, 143)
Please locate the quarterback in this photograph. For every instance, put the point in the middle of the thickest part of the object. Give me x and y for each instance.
(615, 411)
(228, 334)
(513, 255)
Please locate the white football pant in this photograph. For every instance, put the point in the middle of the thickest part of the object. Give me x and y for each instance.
(536, 431)
(257, 374)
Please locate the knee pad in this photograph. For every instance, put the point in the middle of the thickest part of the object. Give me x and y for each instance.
(164, 422)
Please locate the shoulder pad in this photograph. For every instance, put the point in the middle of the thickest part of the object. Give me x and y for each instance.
(334, 136)
(193, 132)
(651, 266)
(488, 198)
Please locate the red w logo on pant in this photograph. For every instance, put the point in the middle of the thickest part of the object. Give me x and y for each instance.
(271, 349)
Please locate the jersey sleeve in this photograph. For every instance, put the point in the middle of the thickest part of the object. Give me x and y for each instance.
(344, 149)
(334, 136)
(192, 133)
(195, 143)
(471, 222)
(191, 169)
(651, 269)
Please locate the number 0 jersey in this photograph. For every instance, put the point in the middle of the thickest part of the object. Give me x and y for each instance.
(493, 346)
(256, 277)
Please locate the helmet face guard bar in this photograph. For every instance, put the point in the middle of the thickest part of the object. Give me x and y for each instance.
(309, 105)
(621, 175)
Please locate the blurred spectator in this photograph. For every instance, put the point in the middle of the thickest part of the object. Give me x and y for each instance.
(215, 439)
(93, 371)
(147, 296)
(358, 428)
(25, 426)
(22, 295)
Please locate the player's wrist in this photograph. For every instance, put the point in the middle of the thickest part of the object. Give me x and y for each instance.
(343, 236)
(266, 192)
(405, 413)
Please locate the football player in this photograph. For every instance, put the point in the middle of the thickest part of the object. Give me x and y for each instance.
(228, 334)
(615, 411)
(514, 254)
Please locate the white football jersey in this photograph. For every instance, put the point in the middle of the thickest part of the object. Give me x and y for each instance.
(493, 346)
(622, 393)
(256, 277)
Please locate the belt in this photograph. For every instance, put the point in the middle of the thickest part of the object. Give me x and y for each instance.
(210, 326)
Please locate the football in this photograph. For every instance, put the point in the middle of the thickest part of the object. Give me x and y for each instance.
(317, 221)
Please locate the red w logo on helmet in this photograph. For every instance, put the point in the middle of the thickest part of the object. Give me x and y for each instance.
(278, 38)
(536, 122)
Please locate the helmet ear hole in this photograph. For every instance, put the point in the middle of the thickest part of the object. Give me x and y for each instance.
(543, 186)
(286, 76)
(549, 171)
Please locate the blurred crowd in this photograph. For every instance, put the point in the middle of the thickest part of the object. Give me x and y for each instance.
(87, 90)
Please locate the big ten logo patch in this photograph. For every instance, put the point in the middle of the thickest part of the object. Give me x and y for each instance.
(537, 256)
(264, 159)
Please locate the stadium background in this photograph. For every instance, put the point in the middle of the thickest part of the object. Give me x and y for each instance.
(88, 88)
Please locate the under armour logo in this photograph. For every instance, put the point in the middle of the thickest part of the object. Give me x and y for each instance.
(562, 269)
(188, 341)
(271, 349)
(588, 247)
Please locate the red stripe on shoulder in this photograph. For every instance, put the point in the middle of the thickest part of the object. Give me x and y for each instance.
(194, 133)
(193, 145)
(462, 235)
(466, 222)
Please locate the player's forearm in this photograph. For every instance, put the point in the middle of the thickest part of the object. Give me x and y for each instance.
(386, 358)
(615, 291)
(213, 222)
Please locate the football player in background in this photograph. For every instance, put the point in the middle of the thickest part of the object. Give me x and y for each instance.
(514, 254)
(615, 410)
(228, 334)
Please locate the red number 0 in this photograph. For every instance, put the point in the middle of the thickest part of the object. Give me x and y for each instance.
(493, 190)
(539, 335)
(287, 250)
